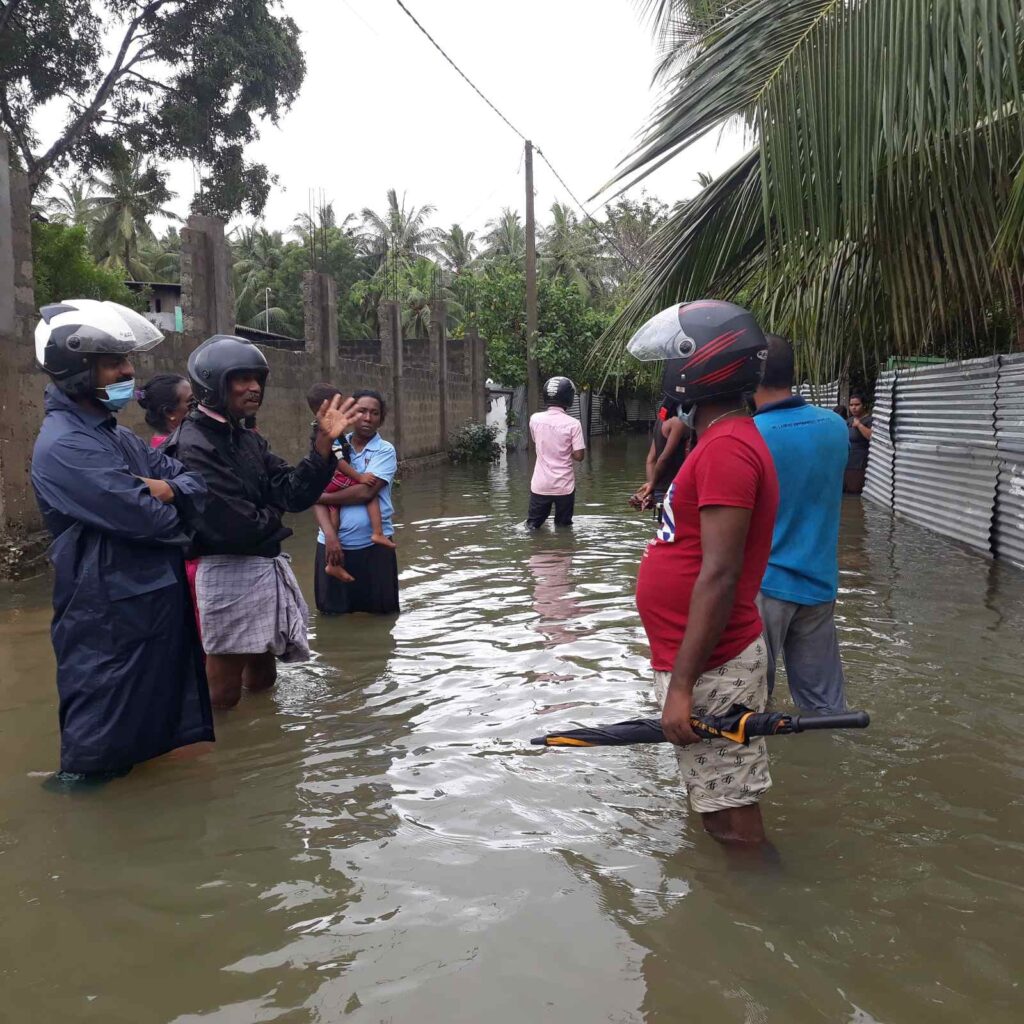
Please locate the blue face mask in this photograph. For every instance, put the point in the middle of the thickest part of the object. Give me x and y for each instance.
(118, 395)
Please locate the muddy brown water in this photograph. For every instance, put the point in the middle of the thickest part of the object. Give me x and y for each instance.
(377, 841)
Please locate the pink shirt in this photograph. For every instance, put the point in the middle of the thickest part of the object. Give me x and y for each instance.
(556, 435)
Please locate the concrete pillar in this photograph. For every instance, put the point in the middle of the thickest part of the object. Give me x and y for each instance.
(320, 316)
(439, 362)
(207, 292)
(389, 316)
(476, 355)
(21, 383)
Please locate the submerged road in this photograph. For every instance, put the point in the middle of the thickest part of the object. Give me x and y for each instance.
(377, 840)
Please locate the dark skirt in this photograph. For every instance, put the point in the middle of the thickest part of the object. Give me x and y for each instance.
(375, 589)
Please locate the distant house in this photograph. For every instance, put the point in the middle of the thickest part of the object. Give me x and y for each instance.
(163, 300)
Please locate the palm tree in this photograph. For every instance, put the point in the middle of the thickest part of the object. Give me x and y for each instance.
(258, 255)
(885, 139)
(457, 248)
(133, 191)
(74, 203)
(399, 230)
(569, 250)
(506, 236)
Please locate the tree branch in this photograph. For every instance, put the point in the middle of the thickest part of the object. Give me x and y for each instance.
(150, 81)
(90, 113)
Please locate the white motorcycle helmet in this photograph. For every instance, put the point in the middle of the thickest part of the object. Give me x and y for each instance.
(72, 331)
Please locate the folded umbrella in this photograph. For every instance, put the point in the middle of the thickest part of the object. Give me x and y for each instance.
(739, 724)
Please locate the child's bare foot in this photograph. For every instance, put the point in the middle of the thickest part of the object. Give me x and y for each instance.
(339, 573)
(386, 542)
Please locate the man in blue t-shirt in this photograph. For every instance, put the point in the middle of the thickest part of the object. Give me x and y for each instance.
(798, 594)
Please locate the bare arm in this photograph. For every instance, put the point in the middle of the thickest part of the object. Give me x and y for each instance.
(676, 436)
(652, 461)
(723, 531)
(357, 494)
(864, 430)
(577, 456)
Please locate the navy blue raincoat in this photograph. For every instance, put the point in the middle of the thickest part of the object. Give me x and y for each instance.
(129, 664)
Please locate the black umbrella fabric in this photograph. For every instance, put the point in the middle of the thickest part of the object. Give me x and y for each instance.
(738, 725)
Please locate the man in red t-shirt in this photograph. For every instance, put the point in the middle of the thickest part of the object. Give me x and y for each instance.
(700, 575)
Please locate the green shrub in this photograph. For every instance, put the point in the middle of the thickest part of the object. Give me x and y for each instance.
(64, 269)
(474, 442)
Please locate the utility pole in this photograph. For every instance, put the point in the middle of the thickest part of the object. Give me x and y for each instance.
(532, 373)
(266, 307)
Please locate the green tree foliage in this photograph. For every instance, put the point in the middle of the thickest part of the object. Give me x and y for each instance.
(400, 230)
(132, 192)
(886, 138)
(176, 79)
(568, 327)
(64, 269)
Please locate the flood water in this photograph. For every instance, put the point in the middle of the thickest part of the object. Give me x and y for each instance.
(377, 841)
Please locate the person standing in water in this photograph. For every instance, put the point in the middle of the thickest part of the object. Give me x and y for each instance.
(129, 666)
(860, 427)
(250, 605)
(699, 577)
(798, 594)
(664, 458)
(558, 441)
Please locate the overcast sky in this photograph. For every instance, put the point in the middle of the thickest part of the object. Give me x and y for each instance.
(380, 107)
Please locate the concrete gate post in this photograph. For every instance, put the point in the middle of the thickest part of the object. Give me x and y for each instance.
(320, 316)
(439, 361)
(207, 292)
(389, 316)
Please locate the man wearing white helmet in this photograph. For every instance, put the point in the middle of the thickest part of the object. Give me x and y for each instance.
(129, 666)
(558, 442)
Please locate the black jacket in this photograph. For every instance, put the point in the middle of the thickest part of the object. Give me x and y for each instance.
(249, 487)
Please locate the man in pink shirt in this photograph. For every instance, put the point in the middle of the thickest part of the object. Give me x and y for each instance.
(558, 441)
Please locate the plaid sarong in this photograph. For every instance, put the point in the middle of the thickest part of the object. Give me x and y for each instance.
(251, 605)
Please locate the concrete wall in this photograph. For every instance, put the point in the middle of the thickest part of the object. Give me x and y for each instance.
(430, 386)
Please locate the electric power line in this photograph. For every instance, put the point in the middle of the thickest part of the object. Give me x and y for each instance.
(597, 224)
(459, 70)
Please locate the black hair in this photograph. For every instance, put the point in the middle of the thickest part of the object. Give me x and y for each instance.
(369, 393)
(860, 395)
(841, 410)
(159, 397)
(320, 393)
(779, 368)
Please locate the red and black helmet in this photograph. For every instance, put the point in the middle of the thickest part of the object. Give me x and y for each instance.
(711, 350)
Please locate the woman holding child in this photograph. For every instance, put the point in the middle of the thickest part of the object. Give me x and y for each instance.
(356, 566)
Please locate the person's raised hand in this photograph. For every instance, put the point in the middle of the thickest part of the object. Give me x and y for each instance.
(675, 718)
(335, 416)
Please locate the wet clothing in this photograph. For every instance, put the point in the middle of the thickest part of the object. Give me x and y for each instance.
(859, 444)
(252, 605)
(730, 466)
(375, 589)
(720, 774)
(540, 509)
(250, 488)
(809, 448)
(803, 637)
(556, 435)
(129, 666)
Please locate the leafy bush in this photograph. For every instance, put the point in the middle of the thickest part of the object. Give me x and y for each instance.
(474, 442)
(64, 269)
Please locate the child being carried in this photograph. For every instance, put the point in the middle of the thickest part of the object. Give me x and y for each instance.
(345, 476)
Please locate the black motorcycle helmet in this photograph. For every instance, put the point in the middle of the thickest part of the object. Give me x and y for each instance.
(72, 333)
(559, 391)
(711, 349)
(212, 362)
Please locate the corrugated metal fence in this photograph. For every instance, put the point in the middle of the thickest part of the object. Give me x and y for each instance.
(947, 451)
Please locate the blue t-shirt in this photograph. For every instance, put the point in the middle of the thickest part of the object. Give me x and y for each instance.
(809, 447)
(380, 459)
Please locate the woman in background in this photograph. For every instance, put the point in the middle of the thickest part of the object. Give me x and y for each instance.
(165, 400)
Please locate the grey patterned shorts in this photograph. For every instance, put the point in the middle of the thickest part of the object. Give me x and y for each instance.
(719, 773)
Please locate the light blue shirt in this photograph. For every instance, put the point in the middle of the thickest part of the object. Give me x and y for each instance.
(379, 458)
(809, 447)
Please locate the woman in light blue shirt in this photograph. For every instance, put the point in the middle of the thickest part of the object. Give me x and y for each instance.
(374, 567)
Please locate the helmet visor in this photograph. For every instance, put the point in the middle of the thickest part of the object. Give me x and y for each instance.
(661, 338)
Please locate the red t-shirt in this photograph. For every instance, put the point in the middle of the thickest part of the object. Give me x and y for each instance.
(731, 465)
